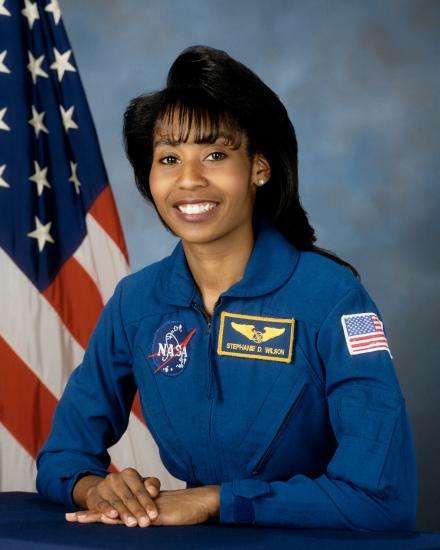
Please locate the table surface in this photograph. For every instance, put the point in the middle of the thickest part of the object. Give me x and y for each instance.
(30, 521)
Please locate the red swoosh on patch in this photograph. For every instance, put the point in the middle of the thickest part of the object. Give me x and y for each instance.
(182, 345)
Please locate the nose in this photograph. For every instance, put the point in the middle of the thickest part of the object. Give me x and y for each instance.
(191, 176)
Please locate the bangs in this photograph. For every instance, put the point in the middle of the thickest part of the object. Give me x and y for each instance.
(187, 111)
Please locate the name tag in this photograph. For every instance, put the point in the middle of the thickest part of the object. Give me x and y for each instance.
(267, 338)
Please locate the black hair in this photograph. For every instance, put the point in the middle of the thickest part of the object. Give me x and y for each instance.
(217, 94)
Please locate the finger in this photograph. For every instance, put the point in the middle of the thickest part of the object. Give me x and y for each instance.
(74, 516)
(110, 521)
(121, 497)
(142, 498)
(152, 485)
(88, 516)
(103, 505)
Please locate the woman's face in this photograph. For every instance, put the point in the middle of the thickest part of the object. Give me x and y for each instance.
(204, 192)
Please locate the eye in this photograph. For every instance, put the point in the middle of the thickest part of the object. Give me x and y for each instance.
(217, 155)
(169, 159)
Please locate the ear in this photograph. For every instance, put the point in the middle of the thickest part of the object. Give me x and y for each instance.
(260, 172)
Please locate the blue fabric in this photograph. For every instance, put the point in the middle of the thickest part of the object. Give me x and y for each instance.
(319, 441)
(28, 521)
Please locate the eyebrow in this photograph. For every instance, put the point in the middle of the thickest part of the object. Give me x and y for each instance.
(167, 140)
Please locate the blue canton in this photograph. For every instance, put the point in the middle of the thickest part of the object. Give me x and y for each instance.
(51, 169)
(360, 325)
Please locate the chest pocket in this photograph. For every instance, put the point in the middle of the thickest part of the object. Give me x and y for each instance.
(291, 433)
(267, 430)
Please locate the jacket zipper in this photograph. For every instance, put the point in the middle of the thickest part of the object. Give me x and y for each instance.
(205, 315)
(211, 393)
(269, 449)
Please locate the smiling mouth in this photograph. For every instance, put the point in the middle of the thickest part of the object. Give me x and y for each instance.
(196, 208)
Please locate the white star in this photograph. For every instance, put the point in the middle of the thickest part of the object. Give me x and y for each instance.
(74, 178)
(67, 118)
(30, 12)
(34, 66)
(3, 125)
(3, 68)
(54, 7)
(3, 183)
(3, 10)
(41, 232)
(40, 178)
(37, 121)
(61, 63)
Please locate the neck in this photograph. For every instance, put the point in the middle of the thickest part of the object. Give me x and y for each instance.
(217, 265)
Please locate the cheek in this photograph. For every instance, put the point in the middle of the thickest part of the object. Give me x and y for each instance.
(157, 188)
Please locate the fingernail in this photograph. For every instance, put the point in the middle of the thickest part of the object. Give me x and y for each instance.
(131, 520)
(152, 513)
(144, 521)
(70, 515)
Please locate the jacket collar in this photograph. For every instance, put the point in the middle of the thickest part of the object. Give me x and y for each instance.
(272, 261)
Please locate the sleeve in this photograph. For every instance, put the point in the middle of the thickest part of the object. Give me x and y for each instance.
(370, 482)
(93, 411)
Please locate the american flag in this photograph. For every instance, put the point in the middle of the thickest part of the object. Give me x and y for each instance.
(62, 249)
(364, 333)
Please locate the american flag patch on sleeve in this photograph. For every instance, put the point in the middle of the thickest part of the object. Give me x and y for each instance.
(364, 333)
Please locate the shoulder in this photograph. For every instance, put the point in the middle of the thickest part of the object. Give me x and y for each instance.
(316, 286)
(137, 293)
(321, 273)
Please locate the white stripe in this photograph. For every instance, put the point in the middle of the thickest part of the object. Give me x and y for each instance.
(18, 469)
(101, 257)
(33, 329)
(137, 449)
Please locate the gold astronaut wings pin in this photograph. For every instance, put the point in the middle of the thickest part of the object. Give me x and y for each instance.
(256, 335)
(250, 336)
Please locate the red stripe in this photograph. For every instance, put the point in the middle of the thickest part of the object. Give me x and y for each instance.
(27, 405)
(105, 213)
(136, 407)
(76, 299)
(381, 346)
(375, 335)
(372, 342)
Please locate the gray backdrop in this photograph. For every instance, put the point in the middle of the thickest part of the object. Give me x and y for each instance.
(360, 80)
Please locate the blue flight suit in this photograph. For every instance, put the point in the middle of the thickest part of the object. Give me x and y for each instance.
(271, 398)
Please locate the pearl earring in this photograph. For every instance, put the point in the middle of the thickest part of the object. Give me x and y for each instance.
(260, 183)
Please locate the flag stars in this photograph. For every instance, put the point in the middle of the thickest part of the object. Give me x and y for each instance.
(74, 178)
(3, 182)
(61, 63)
(40, 178)
(30, 12)
(67, 115)
(3, 68)
(3, 125)
(37, 121)
(34, 67)
(54, 8)
(42, 234)
(3, 10)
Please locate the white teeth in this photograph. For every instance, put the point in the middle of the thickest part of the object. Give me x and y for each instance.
(198, 208)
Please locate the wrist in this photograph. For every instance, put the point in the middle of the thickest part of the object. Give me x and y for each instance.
(213, 500)
(82, 488)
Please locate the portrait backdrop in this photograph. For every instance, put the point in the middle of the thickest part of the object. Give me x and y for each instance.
(361, 83)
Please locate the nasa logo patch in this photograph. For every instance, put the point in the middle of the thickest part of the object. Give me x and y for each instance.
(171, 348)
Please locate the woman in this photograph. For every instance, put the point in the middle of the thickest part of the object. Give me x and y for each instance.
(263, 369)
